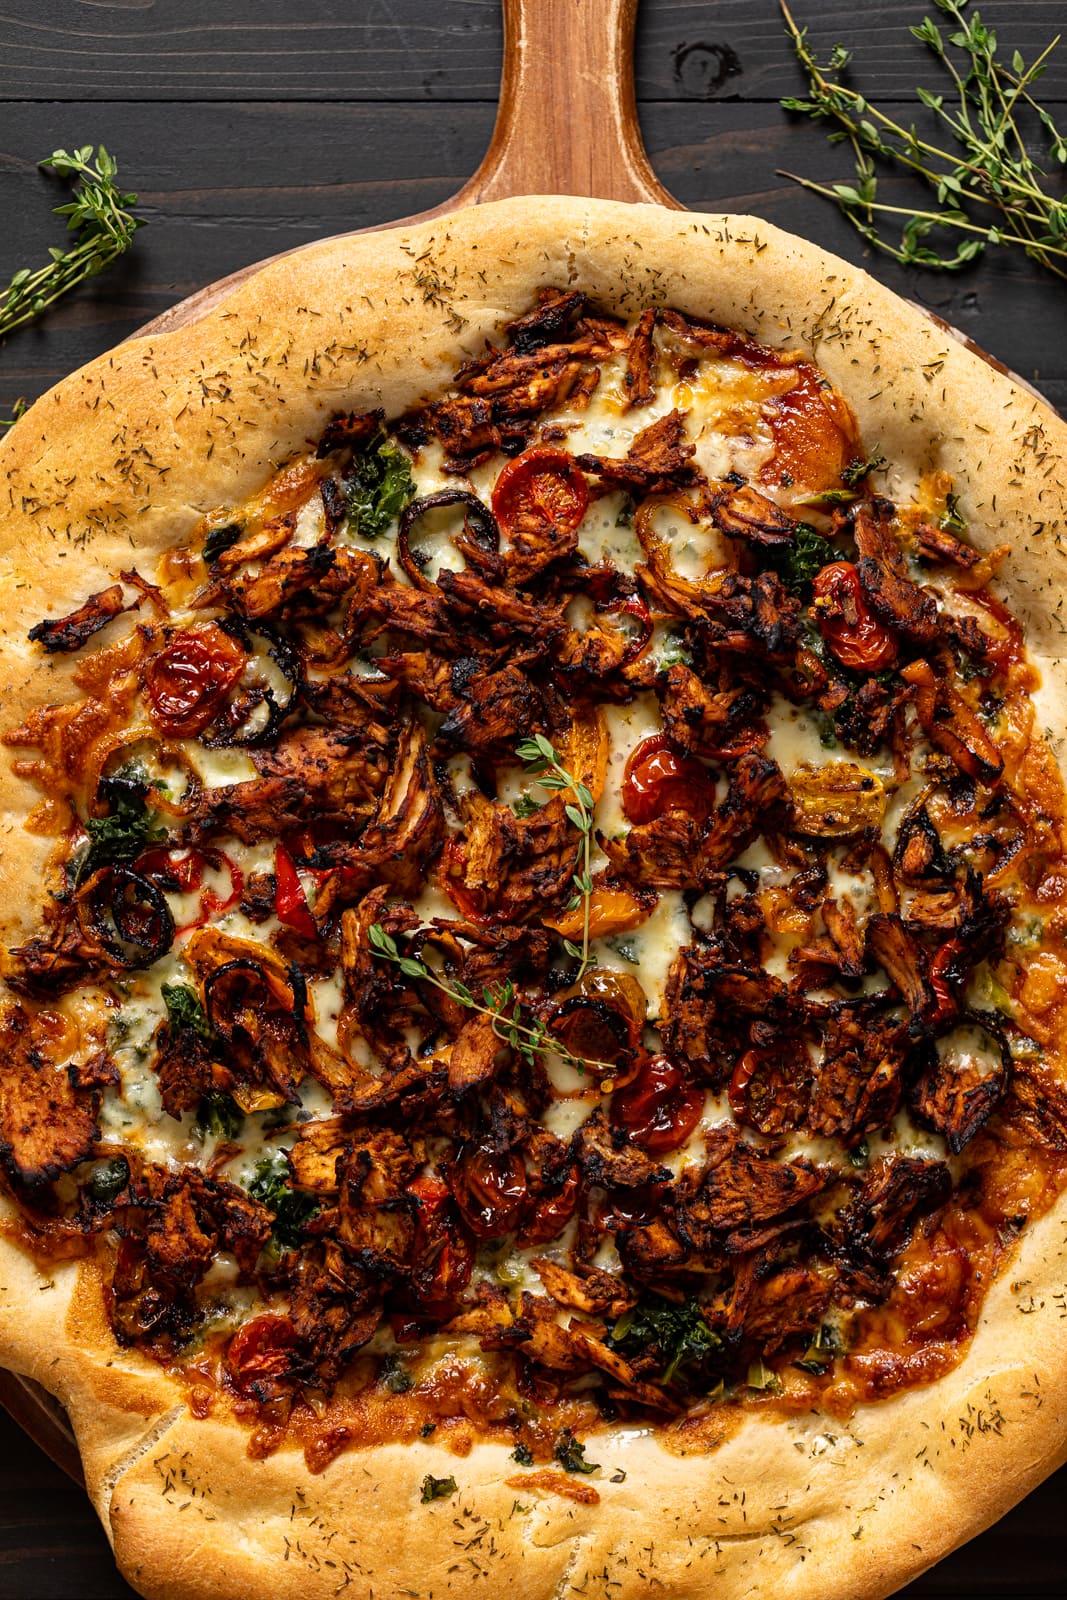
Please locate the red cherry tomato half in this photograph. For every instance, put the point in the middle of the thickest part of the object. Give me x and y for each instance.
(541, 489)
(657, 779)
(659, 1110)
(857, 639)
(261, 1350)
(290, 901)
(491, 1190)
(551, 1212)
(187, 681)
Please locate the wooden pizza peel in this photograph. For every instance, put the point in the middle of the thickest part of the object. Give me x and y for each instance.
(566, 124)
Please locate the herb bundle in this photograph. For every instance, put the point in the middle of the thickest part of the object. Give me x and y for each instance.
(102, 217)
(988, 186)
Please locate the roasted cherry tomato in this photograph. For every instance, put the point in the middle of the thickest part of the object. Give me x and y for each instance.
(659, 1110)
(261, 1353)
(657, 779)
(290, 901)
(551, 1212)
(469, 902)
(541, 489)
(770, 1091)
(856, 637)
(442, 1255)
(187, 681)
(490, 1189)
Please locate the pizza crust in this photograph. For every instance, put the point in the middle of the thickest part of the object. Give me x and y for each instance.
(121, 461)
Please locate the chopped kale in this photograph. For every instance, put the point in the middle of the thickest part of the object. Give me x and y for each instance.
(220, 539)
(522, 1455)
(292, 1210)
(677, 1338)
(395, 1375)
(377, 487)
(185, 1014)
(797, 562)
(571, 1455)
(819, 1356)
(763, 1378)
(438, 1489)
(830, 497)
(218, 1114)
(124, 832)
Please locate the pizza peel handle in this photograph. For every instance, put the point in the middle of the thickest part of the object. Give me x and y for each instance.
(567, 120)
(566, 124)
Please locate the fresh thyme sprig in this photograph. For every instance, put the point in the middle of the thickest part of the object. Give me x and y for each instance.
(989, 188)
(542, 761)
(102, 217)
(530, 1039)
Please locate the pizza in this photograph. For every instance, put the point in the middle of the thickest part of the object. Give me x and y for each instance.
(535, 909)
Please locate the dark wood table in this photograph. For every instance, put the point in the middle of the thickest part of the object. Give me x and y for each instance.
(253, 126)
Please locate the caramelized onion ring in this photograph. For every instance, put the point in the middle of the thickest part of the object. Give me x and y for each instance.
(479, 543)
(132, 938)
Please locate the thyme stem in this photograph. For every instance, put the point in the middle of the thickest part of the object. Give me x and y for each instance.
(530, 1041)
(992, 168)
(543, 761)
(102, 217)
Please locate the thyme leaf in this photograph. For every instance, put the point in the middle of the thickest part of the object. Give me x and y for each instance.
(101, 216)
(529, 1037)
(988, 186)
(542, 761)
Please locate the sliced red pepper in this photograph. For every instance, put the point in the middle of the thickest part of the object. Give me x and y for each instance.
(852, 632)
(290, 901)
(940, 980)
(182, 871)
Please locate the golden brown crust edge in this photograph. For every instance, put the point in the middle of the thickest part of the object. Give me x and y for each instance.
(121, 460)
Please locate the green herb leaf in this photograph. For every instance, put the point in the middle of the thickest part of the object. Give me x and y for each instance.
(125, 831)
(950, 519)
(377, 486)
(108, 1179)
(438, 1489)
(677, 1338)
(571, 1455)
(797, 562)
(522, 1455)
(271, 1186)
(988, 184)
(818, 1358)
(395, 1375)
(857, 470)
(218, 1114)
(220, 539)
(184, 1011)
(102, 217)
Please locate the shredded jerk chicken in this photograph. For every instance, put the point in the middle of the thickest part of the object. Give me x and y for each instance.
(356, 1049)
